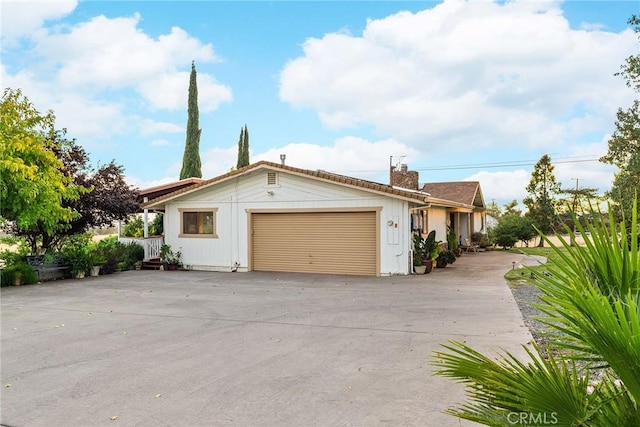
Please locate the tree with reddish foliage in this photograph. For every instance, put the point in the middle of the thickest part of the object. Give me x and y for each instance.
(108, 197)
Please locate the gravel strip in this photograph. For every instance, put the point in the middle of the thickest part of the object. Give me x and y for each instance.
(526, 294)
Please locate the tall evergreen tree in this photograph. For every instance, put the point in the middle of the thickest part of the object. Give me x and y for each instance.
(541, 202)
(624, 144)
(191, 165)
(243, 148)
(240, 144)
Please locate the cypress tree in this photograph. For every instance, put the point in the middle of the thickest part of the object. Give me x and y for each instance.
(191, 165)
(239, 163)
(243, 148)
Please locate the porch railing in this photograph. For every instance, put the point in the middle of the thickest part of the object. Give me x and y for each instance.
(151, 245)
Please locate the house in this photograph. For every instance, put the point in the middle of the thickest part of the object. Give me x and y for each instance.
(459, 205)
(275, 217)
(469, 214)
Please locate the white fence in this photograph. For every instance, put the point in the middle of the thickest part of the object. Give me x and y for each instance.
(151, 245)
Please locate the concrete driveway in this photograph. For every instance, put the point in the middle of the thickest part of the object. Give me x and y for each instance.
(150, 348)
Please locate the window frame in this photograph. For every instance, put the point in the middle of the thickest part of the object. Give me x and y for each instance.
(214, 214)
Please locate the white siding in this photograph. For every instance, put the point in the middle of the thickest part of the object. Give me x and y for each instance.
(438, 222)
(250, 192)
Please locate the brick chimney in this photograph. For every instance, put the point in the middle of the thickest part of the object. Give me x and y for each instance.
(404, 178)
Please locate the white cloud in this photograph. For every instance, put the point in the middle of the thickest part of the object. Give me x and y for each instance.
(579, 162)
(80, 70)
(503, 186)
(151, 127)
(348, 155)
(159, 143)
(469, 73)
(175, 91)
(591, 174)
(114, 52)
(23, 17)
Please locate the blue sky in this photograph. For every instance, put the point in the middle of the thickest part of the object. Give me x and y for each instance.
(458, 90)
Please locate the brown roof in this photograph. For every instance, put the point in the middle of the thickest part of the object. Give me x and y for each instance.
(160, 190)
(467, 192)
(416, 196)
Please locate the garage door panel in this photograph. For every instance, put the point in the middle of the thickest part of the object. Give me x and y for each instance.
(321, 242)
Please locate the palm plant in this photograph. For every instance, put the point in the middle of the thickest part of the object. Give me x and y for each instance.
(593, 299)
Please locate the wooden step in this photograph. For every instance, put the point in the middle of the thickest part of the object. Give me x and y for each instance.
(152, 264)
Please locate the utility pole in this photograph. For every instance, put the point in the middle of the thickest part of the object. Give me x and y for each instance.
(575, 206)
(575, 195)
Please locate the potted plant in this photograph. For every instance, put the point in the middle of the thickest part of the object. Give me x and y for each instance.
(431, 250)
(418, 254)
(170, 260)
(96, 261)
(78, 260)
(19, 274)
(445, 257)
(424, 252)
(452, 242)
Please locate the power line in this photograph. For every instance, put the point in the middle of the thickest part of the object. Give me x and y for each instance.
(493, 165)
(499, 165)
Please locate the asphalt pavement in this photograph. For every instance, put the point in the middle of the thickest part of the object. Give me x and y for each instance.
(192, 348)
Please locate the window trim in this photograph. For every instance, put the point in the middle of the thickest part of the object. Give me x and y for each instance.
(214, 213)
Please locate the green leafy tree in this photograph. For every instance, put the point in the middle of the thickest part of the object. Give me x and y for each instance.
(191, 165)
(105, 197)
(156, 227)
(624, 144)
(494, 210)
(512, 228)
(511, 208)
(577, 201)
(592, 376)
(541, 201)
(33, 186)
(243, 148)
(134, 227)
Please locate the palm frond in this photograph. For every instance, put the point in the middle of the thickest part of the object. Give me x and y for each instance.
(591, 299)
(497, 388)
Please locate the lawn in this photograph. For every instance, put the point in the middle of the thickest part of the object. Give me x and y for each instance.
(547, 252)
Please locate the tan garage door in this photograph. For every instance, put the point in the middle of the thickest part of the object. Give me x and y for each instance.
(315, 242)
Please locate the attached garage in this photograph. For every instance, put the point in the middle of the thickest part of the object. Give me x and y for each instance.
(275, 217)
(316, 242)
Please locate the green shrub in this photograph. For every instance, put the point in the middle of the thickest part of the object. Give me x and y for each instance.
(156, 227)
(111, 251)
(77, 258)
(452, 240)
(512, 228)
(447, 256)
(27, 274)
(16, 255)
(133, 228)
(132, 253)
